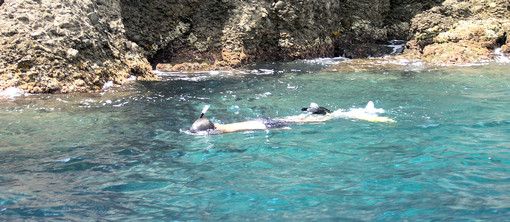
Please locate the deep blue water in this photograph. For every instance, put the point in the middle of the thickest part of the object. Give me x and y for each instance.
(121, 154)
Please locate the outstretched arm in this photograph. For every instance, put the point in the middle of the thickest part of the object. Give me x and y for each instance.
(241, 126)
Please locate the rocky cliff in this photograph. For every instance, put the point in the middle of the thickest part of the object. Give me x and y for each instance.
(459, 32)
(232, 32)
(79, 45)
(66, 46)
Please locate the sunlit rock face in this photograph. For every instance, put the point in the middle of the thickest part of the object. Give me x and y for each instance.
(231, 33)
(459, 32)
(68, 46)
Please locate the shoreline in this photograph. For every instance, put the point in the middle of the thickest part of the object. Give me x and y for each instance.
(335, 64)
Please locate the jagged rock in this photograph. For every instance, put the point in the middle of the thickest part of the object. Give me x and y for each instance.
(184, 67)
(233, 33)
(455, 53)
(66, 46)
(460, 32)
(48, 46)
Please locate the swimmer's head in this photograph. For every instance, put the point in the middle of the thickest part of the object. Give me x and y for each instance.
(201, 124)
(316, 109)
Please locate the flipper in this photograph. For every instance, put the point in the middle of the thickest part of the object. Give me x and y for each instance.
(370, 108)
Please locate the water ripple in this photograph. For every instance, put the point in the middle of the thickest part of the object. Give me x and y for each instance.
(120, 154)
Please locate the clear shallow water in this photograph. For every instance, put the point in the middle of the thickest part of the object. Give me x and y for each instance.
(121, 155)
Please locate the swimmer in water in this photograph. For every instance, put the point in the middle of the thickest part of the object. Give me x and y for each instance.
(315, 114)
(203, 125)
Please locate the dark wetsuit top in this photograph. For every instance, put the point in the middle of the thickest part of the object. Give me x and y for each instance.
(274, 123)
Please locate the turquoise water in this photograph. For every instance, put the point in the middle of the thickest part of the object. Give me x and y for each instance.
(122, 155)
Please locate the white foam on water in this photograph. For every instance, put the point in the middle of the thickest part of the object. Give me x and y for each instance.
(370, 108)
(265, 71)
(214, 72)
(11, 92)
(108, 84)
(369, 113)
(325, 61)
(291, 86)
(266, 94)
(408, 62)
(397, 46)
(258, 72)
(500, 56)
(64, 160)
(61, 100)
(107, 102)
(120, 104)
(191, 76)
(132, 78)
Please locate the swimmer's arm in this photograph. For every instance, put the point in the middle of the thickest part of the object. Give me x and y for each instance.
(241, 126)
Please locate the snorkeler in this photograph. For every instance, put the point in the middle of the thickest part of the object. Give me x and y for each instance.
(315, 114)
(203, 125)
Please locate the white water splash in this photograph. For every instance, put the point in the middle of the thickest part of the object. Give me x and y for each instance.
(191, 76)
(397, 46)
(108, 84)
(369, 113)
(11, 92)
(132, 78)
(262, 71)
(65, 160)
(501, 57)
(325, 61)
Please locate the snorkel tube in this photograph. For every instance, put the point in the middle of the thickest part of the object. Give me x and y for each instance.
(202, 124)
(204, 110)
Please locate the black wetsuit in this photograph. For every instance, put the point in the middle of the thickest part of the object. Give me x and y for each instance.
(274, 123)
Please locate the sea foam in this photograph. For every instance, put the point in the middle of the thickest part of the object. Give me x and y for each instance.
(11, 92)
(369, 113)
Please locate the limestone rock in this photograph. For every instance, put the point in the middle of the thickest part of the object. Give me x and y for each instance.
(48, 46)
(67, 46)
(461, 31)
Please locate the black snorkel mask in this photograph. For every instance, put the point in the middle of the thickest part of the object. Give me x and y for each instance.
(316, 109)
(202, 124)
